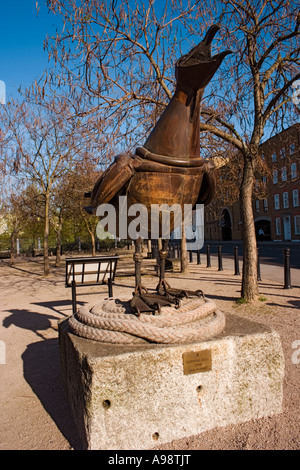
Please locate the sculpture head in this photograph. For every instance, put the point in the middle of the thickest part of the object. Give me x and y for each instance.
(194, 70)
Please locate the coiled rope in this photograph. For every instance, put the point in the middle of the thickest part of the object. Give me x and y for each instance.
(110, 321)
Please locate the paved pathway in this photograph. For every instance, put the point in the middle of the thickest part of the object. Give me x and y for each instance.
(269, 272)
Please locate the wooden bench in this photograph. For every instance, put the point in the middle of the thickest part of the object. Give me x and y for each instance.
(90, 271)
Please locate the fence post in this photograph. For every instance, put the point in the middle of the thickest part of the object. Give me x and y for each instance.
(110, 289)
(220, 262)
(74, 307)
(208, 256)
(287, 269)
(236, 261)
(198, 257)
(191, 256)
(258, 266)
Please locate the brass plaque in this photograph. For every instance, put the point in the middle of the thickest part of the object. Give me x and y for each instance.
(196, 361)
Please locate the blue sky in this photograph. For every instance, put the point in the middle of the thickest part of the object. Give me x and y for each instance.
(22, 32)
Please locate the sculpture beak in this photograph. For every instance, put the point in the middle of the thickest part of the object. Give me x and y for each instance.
(200, 52)
(195, 69)
(211, 34)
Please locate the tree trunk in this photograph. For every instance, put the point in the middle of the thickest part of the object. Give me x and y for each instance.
(12, 248)
(58, 241)
(93, 243)
(46, 236)
(249, 290)
(185, 268)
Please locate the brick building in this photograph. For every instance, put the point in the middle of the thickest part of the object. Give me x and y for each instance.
(276, 206)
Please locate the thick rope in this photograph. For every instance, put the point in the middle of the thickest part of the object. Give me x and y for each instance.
(196, 319)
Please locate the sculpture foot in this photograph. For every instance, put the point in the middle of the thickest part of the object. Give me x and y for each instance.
(149, 303)
(164, 289)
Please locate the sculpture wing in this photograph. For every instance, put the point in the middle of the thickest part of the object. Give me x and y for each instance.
(207, 189)
(115, 177)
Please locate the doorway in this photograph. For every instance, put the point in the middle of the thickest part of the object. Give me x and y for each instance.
(225, 224)
(287, 228)
(263, 229)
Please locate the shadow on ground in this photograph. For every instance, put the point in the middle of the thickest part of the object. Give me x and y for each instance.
(32, 321)
(41, 366)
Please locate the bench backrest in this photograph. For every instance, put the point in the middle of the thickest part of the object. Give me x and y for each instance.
(90, 271)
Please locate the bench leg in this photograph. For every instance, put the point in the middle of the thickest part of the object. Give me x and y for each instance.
(110, 289)
(74, 297)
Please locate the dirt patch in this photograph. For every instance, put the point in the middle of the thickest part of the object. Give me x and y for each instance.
(35, 414)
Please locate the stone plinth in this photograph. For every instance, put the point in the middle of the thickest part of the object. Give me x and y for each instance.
(138, 397)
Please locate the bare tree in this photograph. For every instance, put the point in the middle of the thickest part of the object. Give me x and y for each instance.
(266, 39)
(19, 210)
(77, 183)
(15, 222)
(119, 58)
(47, 143)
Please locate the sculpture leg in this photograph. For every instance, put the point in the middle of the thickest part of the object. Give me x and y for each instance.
(163, 288)
(163, 254)
(138, 258)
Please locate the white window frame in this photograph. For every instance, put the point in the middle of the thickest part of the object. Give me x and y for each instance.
(285, 200)
(275, 176)
(274, 157)
(278, 225)
(295, 198)
(266, 206)
(294, 170)
(297, 224)
(283, 173)
(282, 153)
(292, 148)
(257, 205)
(276, 202)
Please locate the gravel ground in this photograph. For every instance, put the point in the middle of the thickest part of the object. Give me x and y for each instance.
(34, 412)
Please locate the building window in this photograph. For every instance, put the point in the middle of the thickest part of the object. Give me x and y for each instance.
(278, 225)
(297, 224)
(282, 153)
(275, 176)
(265, 205)
(276, 202)
(285, 198)
(274, 157)
(264, 180)
(257, 205)
(294, 170)
(283, 173)
(292, 149)
(295, 198)
(262, 157)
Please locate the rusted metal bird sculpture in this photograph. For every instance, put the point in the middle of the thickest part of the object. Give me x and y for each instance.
(168, 168)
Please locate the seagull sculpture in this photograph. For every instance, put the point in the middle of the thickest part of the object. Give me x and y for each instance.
(168, 168)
